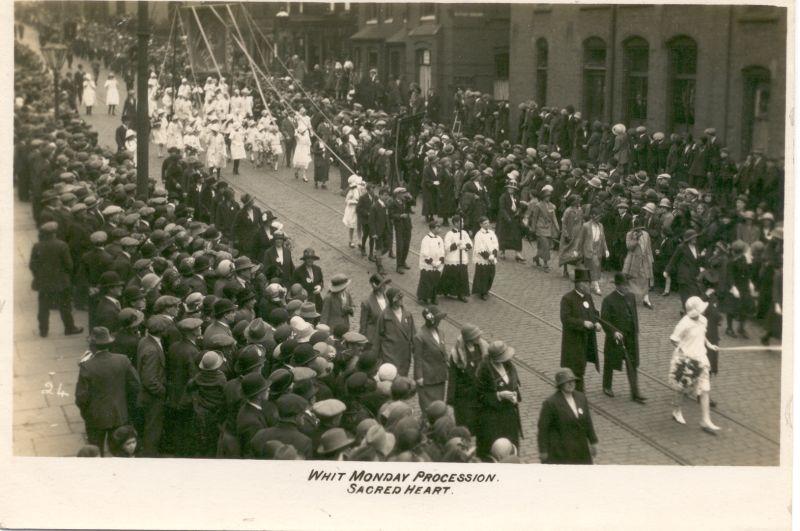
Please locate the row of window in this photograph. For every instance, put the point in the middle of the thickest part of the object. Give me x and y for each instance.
(636, 56)
(371, 11)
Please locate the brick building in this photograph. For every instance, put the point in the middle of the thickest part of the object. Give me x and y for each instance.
(668, 67)
(440, 46)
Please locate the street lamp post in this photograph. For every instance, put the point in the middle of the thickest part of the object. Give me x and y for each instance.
(54, 56)
(142, 114)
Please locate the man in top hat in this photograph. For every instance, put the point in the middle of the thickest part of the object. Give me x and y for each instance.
(107, 383)
(431, 263)
(566, 433)
(277, 259)
(309, 276)
(400, 213)
(380, 229)
(684, 267)
(51, 265)
(579, 328)
(620, 321)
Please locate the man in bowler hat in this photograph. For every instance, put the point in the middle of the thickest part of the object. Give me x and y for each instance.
(580, 327)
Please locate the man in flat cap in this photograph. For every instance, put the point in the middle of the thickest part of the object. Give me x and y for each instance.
(51, 265)
(181, 364)
(150, 364)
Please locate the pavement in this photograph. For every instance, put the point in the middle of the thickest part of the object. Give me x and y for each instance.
(523, 310)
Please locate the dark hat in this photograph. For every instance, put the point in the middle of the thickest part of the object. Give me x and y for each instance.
(253, 384)
(339, 282)
(280, 381)
(132, 293)
(100, 336)
(257, 331)
(620, 279)
(244, 296)
(309, 254)
(334, 440)
(158, 324)
(356, 383)
(392, 294)
(582, 275)
(303, 354)
(219, 341)
(110, 279)
(689, 235)
(249, 357)
(308, 310)
(290, 405)
(433, 313)
(379, 280)
(223, 306)
(564, 375)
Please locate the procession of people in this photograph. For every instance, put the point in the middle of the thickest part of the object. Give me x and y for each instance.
(208, 340)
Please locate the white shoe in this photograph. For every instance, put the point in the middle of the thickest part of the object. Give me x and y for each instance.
(710, 426)
(678, 416)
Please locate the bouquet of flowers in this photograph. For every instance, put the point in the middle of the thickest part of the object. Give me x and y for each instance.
(686, 372)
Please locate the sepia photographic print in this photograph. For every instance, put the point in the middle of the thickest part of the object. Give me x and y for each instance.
(440, 250)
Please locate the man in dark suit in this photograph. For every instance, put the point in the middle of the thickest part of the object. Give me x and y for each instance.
(566, 434)
(181, 364)
(120, 134)
(400, 212)
(51, 265)
(309, 276)
(394, 338)
(372, 308)
(684, 266)
(250, 418)
(245, 227)
(380, 228)
(106, 306)
(150, 364)
(126, 340)
(277, 259)
(580, 327)
(290, 407)
(363, 209)
(287, 130)
(620, 321)
(616, 225)
(430, 359)
(107, 383)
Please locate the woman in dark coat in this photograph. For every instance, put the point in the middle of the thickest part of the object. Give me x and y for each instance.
(593, 144)
(447, 192)
(309, 275)
(509, 233)
(565, 431)
(394, 341)
(322, 163)
(431, 184)
(499, 396)
(462, 388)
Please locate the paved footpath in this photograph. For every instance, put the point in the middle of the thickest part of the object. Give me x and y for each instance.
(523, 311)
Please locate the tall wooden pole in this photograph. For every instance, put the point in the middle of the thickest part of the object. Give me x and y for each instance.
(142, 113)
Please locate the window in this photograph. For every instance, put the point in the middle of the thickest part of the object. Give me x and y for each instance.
(682, 82)
(424, 74)
(372, 58)
(755, 111)
(594, 78)
(427, 10)
(501, 67)
(636, 64)
(541, 72)
(394, 64)
(371, 11)
(388, 13)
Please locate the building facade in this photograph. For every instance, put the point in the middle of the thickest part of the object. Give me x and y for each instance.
(440, 46)
(672, 68)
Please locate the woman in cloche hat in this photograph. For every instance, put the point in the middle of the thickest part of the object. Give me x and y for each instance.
(498, 390)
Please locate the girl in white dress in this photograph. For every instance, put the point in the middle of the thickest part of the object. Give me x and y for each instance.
(237, 146)
(250, 138)
(89, 92)
(275, 145)
(152, 94)
(174, 134)
(216, 157)
(302, 151)
(689, 366)
(350, 219)
(190, 140)
(112, 94)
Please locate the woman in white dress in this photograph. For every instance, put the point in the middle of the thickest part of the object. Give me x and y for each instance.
(689, 366)
(237, 146)
(350, 219)
(275, 145)
(302, 151)
(130, 144)
(89, 92)
(174, 134)
(112, 94)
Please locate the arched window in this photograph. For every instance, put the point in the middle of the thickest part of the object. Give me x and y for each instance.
(636, 63)
(541, 71)
(682, 82)
(594, 78)
(755, 108)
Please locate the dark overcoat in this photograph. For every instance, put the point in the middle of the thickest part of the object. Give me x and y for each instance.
(619, 313)
(578, 344)
(498, 418)
(107, 383)
(561, 435)
(395, 340)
